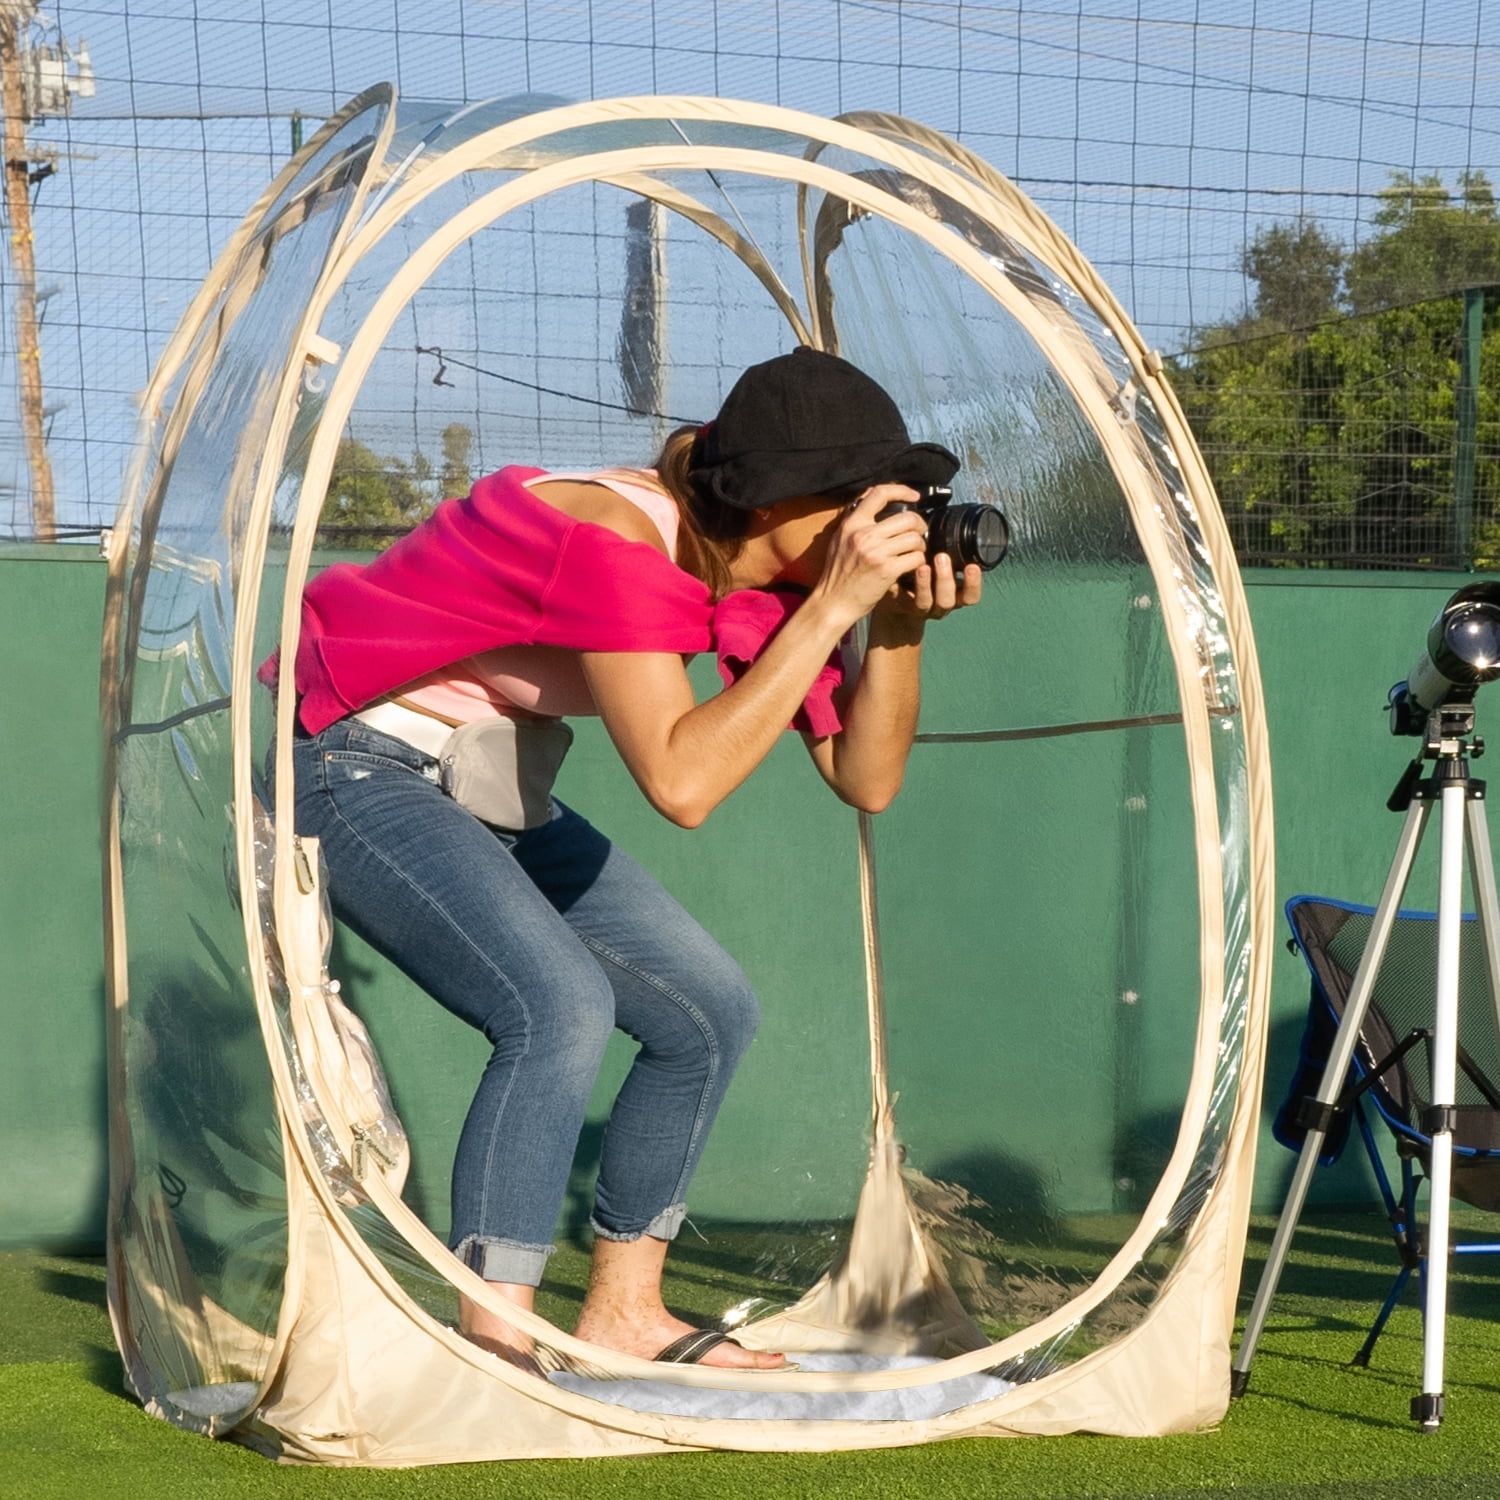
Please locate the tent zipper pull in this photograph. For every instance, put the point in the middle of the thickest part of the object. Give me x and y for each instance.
(366, 1146)
(303, 866)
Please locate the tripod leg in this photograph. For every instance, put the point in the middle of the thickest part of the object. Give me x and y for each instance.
(1482, 877)
(1428, 1407)
(1332, 1083)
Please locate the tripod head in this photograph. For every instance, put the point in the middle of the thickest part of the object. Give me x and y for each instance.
(1448, 739)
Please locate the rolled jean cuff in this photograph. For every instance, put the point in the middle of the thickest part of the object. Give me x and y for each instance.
(663, 1227)
(503, 1260)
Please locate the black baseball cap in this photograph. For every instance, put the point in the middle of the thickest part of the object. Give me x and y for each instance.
(806, 423)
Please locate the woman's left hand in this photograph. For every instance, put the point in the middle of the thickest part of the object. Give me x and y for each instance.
(938, 591)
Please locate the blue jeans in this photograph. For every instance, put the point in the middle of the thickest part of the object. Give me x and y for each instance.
(545, 941)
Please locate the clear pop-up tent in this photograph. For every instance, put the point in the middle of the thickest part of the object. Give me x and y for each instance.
(987, 1168)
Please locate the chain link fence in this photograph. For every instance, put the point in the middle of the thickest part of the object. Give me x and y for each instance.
(1293, 198)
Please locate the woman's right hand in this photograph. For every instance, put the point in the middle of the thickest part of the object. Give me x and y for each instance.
(866, 556)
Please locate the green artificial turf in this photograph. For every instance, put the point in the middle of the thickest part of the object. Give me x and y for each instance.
(1310, 1429)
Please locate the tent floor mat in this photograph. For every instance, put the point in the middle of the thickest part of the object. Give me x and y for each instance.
(911, 1403)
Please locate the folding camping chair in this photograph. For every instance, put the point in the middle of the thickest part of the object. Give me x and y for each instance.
(1391, 1070)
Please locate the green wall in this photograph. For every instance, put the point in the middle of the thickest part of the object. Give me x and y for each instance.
(1021, 1068)
(52, 1122)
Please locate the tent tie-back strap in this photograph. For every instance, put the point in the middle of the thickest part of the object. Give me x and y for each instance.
(954, 737)
(960, 736)
(1049, 731)
(196, 711)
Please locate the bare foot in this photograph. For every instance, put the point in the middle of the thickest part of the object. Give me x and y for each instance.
(484, 1328)
(520, 1352)
(623, 1308)
(646, 1335)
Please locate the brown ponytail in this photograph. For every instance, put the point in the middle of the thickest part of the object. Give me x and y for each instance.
(711, 533)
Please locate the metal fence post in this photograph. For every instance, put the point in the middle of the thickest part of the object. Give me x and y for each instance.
(1466, 401)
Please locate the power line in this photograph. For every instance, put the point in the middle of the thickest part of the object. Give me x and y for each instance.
(444, 360)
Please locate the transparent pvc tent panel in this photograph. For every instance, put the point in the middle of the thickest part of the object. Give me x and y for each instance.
(1063, 877)
(199, 1214)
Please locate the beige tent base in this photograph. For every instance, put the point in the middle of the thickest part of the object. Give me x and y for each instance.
(323, 1408)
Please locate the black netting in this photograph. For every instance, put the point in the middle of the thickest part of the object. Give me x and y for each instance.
(1295, 204)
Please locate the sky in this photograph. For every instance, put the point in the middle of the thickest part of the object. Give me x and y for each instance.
(1160, 134)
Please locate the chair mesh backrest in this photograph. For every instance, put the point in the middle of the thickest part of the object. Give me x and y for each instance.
(1334, 936)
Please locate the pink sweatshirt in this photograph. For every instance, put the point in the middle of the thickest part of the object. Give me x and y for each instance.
(545, 680)
(499, 568)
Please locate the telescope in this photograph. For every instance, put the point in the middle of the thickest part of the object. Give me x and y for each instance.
(1463, 651)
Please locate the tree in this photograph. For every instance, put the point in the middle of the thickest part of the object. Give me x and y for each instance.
(1335, 437)
(374, 495)
(1430, 243)
(456, 477)
(1296, 270)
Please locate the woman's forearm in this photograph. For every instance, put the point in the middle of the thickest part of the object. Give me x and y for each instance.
(687, 758)
(716, 745)
(880, 720)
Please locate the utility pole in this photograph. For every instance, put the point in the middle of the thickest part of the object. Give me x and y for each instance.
(643, 316)
(13, 16)
(34, 81)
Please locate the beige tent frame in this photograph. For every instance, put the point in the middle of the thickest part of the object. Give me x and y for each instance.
(198, 337)
(1170, 1372)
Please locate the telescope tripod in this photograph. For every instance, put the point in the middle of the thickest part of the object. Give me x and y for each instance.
(1459, 797)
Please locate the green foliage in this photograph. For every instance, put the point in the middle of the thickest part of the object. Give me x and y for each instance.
(1296, 269)
(456, 477)
(1430, 243)
(375, 498)
(1333, 437)
(368, 491)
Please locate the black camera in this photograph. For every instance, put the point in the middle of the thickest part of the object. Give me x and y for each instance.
(967, 533)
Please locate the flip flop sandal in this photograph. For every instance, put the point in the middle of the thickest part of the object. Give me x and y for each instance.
(691, 1347)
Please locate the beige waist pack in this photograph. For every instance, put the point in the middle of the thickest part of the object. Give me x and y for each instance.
(502, 770)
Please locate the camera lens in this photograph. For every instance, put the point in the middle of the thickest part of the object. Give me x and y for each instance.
(970, 534)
